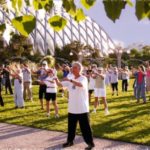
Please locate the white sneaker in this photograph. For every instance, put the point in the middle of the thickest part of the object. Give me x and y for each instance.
(56, 116)
(94, 111)
(106, 112)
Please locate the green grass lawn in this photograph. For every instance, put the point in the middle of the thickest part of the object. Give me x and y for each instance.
(128, 121)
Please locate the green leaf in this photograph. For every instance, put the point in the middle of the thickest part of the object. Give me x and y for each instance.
(14, 2)
(24, 24)
(113, 8)
(17, 5)
(79, 15)
(57, 22)
(36, 5)
(87, 3)
(129, 2)
(20, 4)
(49, 5)
(2, 28)
(27, 2)
(70, 7)
(40, 4)
(142, 9)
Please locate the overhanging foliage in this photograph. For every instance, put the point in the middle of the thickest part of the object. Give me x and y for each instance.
(113, 9)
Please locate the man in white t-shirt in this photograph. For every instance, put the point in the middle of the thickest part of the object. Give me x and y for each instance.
(78, 106)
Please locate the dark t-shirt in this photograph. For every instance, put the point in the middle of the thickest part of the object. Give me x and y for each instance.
(6, 74)
(0, 83)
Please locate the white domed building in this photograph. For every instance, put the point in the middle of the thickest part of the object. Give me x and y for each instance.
(45, 39)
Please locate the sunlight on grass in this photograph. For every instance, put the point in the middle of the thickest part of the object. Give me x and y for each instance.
(128, 121)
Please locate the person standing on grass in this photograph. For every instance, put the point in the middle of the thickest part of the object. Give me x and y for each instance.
(100, 89)
(1, 99)
(18, 86)
(91, 83)
(65, 70)
(51, 91)
(114, 80)
(6, 76)
(27, 82)
(125, 78)
(78, 106)
(140, 76)
(42, 75)
(147, 77)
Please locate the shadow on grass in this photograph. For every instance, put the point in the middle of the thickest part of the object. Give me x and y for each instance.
(121, 124)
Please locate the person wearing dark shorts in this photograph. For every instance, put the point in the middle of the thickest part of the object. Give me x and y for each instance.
(42, 91)
(51, 92)
(91, 82)
(42, 75)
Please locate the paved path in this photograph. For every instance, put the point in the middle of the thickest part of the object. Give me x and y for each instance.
(13, 137)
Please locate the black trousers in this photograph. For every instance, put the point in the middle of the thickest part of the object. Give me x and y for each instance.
(114, 86)
(125, 85)
(1, 101)
(8, 86)
(84, 126)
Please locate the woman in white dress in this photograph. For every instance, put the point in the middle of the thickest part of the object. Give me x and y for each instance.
(18, 87)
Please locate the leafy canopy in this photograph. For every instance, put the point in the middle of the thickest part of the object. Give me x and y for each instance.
(25, 24)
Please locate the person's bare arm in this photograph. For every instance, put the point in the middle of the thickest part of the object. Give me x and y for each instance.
(58, 82)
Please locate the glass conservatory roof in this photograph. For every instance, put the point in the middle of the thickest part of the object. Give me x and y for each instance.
(45, 39)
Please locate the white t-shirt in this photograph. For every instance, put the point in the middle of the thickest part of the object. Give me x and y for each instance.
(107, 78)
(78, 96)
(125, 75)
(113, 77)
(51, 87)
(70, 76)
(26, 75)
(91, 83)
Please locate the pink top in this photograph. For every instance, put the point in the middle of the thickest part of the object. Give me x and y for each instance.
(140, 77)
(148, 73)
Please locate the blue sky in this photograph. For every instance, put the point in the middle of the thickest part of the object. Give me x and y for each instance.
(127, 29)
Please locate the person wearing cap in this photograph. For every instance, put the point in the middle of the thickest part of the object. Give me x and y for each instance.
(78, 106)
(51, 91)
(42, 75)
(100, 89)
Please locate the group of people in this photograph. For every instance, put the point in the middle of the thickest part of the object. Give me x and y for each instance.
(80, 83)
(21, 74)
(98, 79)
(142, 82)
